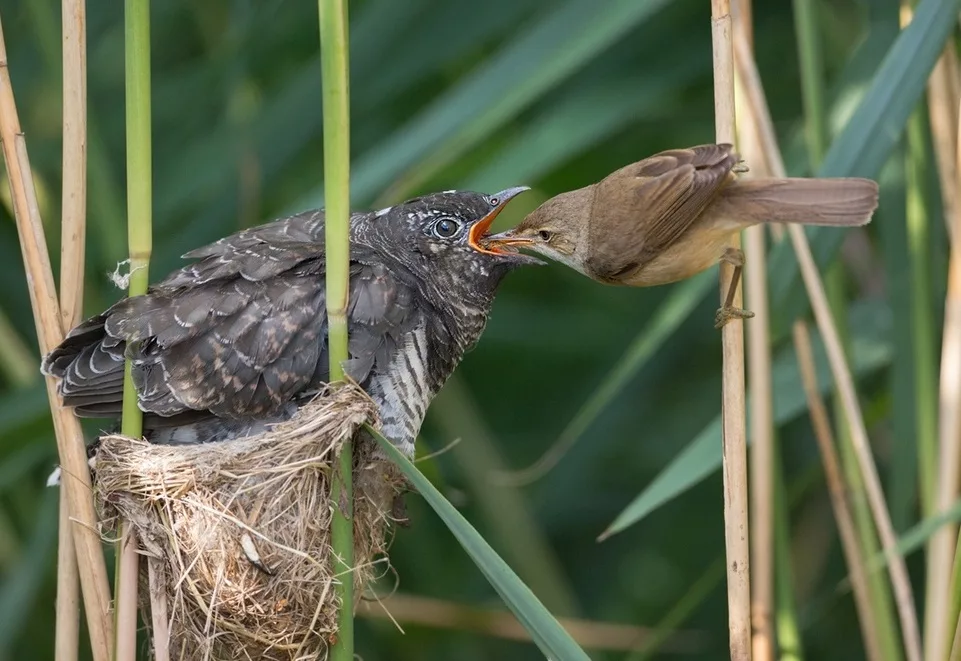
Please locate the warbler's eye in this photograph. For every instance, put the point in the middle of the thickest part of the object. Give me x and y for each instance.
(544, 235)
(446, 228)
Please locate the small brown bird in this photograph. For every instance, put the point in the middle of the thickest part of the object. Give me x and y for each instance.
(673, 214)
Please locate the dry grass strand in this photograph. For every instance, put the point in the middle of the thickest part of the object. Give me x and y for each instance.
(943, 544)
(47, 319)
(841, 372)
(734, 434)
(761, 421)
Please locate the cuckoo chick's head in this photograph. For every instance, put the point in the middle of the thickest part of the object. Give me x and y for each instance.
(445, 236)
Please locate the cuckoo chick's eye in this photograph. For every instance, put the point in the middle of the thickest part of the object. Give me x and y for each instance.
(446, 228)
(544, 235)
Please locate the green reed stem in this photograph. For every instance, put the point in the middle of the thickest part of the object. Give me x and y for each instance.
(140, 245)
(815, 117)
(336, 104)
(918, 216)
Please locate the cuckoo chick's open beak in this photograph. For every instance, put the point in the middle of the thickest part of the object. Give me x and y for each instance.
(477, 239)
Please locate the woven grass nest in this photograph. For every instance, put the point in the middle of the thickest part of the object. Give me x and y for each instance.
(238, 532)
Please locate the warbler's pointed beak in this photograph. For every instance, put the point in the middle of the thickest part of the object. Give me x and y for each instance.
(507, 238)
(476, 237)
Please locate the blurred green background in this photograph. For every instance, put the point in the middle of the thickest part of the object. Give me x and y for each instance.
(487, 95)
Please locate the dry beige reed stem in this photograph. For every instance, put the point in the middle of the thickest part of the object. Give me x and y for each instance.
(841, 373)
(837, 492)
(75, 478)
(943, 543)
(125, 596)
(956, 645)
(760, 386)
(73, 233)
(67, 634)
(733, 438)
(904, 598)
(766, 161)
(159, 613)
(944, 89)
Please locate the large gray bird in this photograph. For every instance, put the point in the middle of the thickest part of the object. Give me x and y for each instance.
(238, 339)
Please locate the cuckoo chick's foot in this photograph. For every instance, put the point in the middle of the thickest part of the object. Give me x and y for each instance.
(734, 257)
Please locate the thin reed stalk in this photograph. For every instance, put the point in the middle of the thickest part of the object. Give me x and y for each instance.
(761, 120)
(944, 92)
(140, 245)
(925, 358)
(872, 598)
(904, 597)
(159, 613)
(855, 512)
(942, 545)
(789, 642)
(72, 247)
(944, 89)
(820, 421)
(733, 438)
(956, 644)
(761, 388)
(47, 318)
(336, 103)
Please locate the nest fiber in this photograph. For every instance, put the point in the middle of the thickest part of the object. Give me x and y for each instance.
(238, 532)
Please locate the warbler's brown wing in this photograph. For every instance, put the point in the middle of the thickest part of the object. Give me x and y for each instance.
(643, 208)
(237, 334)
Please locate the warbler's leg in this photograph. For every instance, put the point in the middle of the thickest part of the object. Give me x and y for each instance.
(734, 257)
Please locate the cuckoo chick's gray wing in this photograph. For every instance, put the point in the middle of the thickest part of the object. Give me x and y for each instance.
(237, 334)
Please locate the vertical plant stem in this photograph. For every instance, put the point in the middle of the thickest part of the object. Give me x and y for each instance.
(336, 103)
(139, 240)
(788, 631)
(944, 89)
(812, 82)
(867, 618)
(67, 637)
(922, 318)
(845, 383)
(956, 644)
(159, 613)
(866, 537)
(858, 538)
(47, 320)
(73, 234)
(761, 388)
(942, 545)
(761, 120)
(733, 439)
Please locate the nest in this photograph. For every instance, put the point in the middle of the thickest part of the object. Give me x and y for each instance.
(237, 533)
